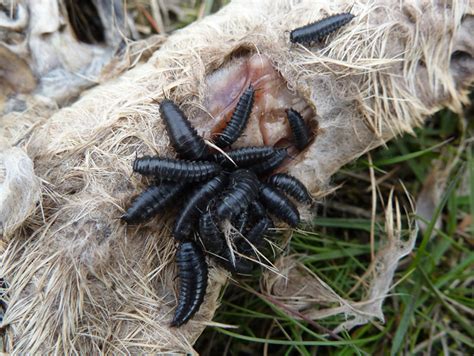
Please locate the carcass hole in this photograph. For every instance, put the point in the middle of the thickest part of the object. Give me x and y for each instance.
(268, 124)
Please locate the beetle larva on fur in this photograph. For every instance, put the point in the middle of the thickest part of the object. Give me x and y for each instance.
(271, 163)
(196, 203)
(238, 120)
(184, 138)
(279, 205)
(151, 201)
(299, 129)
(211, 236)
(192, 272)
(176, 170)
(291, 186)
(320, 29)
(244, 157)
(243, 190)
(255, 235)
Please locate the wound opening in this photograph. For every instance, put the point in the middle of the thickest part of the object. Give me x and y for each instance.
(268, 124)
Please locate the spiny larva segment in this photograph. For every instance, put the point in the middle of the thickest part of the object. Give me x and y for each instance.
(192, 273)
(301, 132)
(279, 205)
(320, 29)
(238, 121)
(184, 138)
(291, 186)
(176, 170)
(211, 236)
(152, 201)
(197, 202)
(244, 157)
(271, 163)
(242, 191)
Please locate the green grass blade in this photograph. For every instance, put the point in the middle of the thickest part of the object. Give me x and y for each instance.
(402, 329)
(409, 156)
(470, 164)
(296, 342)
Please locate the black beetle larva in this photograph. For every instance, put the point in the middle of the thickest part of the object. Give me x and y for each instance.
(258, 230)
(184, 138)
(279, 205)
(254, 236)
(211, 236)
(196, 203)
(244, 157)
(192, 272)
(238, 120)
(320, 29)
(243, 190)
(291, 186)
(301, 132)
(152, 201)
(176, 170)
(271, 163)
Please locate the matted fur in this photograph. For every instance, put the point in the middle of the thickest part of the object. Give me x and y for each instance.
(81, 281)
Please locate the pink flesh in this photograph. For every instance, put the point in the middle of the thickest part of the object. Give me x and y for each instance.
(268, 124)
